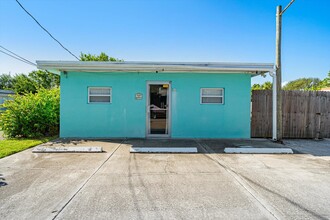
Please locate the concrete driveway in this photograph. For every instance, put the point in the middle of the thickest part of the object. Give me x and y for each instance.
(207, 185)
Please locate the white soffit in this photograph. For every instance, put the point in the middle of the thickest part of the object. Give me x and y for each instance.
(168, 67)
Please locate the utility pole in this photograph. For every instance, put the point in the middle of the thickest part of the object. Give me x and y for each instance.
(278, 74)
(279, 126)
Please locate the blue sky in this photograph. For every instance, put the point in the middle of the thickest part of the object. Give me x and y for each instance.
(170, 30)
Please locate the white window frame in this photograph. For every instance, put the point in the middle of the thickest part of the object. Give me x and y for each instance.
(208, 96)
(107, 95)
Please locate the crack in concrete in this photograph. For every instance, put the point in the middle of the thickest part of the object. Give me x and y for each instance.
(261, 202)
(263, 163)
(88, 179)
(166, 164)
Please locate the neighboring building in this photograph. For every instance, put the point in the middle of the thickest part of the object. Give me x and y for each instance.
(155, 99)
(4, 95)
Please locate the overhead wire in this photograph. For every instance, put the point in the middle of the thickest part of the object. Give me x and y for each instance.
(47, 31)
(18, 56)
(287, 7)
(22, 60)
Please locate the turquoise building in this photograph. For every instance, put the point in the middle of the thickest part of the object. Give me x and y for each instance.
(155, 99)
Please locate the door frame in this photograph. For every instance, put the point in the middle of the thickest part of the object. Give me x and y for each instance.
(169, 111)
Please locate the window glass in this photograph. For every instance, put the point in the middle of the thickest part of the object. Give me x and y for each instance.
(211, 96)
(99, 95)
(99, 99)
(211, 92)
(99, 91)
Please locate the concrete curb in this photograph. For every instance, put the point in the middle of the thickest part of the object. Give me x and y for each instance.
(249, 150)
(41, 149)
(163, 150)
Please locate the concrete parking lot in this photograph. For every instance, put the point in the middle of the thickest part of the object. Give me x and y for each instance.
(208, 185)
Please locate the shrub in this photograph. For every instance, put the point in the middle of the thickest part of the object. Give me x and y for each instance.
(32, 115)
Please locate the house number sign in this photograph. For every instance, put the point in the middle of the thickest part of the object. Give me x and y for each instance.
(138, 96)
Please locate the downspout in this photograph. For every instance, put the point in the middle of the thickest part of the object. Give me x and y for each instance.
(274, 133)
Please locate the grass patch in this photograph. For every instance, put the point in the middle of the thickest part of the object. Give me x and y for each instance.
(14, 145)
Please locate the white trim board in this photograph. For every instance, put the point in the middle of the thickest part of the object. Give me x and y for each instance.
(145, 66)
(250, 150)
(163, 150)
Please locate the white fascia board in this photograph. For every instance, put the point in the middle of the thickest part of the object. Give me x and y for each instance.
(87, 66)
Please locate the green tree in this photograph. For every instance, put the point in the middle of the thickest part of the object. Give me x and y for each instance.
(6, 81)
(325, 82)
(102, 57)
(266, 86)
(304, 84)
(23, 84)
(32, 115)
(45, 79)
(256, 87)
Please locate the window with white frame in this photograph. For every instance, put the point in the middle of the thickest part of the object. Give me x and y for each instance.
(211, 96)
(99, 94)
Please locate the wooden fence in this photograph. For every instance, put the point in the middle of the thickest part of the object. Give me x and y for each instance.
(305, 114)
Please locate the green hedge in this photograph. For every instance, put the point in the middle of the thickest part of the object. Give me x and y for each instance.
(32, 115)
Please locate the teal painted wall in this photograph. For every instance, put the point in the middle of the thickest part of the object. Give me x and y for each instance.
(126, 116)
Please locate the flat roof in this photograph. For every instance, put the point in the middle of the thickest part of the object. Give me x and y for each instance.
(145, 66)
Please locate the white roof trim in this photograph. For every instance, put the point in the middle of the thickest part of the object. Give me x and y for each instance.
(168, 67)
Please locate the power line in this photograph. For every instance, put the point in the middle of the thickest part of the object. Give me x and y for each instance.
(287, 7)
(46, 30)
(30, 63)
(18, 55)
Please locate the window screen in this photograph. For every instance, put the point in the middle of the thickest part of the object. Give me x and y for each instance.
(212, 96)
(99, 95)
